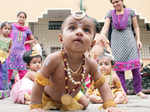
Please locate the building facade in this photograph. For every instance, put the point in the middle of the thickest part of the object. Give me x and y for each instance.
(48, 26)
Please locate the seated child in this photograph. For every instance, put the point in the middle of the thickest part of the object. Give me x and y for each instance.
(21, 90)
(63, 72)
(105, 66)
(5, 44)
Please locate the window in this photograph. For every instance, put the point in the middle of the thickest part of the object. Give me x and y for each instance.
(54, 25)
(99, 26)
(147, 27)
(54, 49)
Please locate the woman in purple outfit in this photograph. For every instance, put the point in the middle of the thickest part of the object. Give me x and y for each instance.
(125, 47)
(21, 36)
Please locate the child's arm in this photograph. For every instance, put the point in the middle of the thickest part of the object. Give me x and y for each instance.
(41, 80)
(103, 87)
(9, 47)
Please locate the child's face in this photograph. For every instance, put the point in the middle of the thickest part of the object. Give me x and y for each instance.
(21, 18)
(6, 30)
(35, 64)
(105, 65)
(77, 34)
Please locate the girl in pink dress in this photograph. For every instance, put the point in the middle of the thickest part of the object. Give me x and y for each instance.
(21, 90)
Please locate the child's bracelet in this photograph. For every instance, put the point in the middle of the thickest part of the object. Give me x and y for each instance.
(99, 82)
(109, 103)
(35, 106)
(41, 80)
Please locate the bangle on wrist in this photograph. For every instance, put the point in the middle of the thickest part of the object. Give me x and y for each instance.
(34, 106)
(109, 103)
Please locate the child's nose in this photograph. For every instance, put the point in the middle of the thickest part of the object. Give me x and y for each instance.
(103, 65)
(79, 32)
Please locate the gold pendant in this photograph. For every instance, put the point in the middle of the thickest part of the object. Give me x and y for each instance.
(66, 99)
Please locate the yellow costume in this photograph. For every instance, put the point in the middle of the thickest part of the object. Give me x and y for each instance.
(48, 103)
(115, 87)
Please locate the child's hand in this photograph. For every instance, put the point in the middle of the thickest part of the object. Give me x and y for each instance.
(37, 110)
(114, 109)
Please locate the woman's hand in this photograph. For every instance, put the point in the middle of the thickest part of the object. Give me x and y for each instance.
(101, 39)
(139, 44)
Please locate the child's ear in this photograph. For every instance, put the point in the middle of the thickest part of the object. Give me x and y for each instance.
(93, 43)
(60, 37)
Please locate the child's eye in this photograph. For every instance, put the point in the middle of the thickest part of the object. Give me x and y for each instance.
(100, 64)
(106, 63)
(72, 27)
(87, 30)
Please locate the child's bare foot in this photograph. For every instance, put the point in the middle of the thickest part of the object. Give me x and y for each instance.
(142, 95)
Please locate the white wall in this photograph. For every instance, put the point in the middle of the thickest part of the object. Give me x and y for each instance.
(36, 8)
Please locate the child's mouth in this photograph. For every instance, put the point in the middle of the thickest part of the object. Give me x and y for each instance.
(78, 40)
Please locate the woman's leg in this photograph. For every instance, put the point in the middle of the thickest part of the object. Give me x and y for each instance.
(121, 76)
(137, 82)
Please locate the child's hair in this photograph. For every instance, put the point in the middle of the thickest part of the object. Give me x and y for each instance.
(22, 12)
(29, 55)
(4, 24)
(80, 13)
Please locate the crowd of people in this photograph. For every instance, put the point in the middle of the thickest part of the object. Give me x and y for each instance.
(88, 68)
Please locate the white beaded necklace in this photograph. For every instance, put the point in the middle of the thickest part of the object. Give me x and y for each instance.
(70, 71)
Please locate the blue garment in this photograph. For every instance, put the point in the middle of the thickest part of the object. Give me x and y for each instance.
(4, 76)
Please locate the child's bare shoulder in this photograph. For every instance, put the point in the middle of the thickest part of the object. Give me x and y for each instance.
(53, 59)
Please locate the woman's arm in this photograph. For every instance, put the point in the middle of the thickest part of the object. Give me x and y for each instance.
(136, 27)
(101, 38)
(32, 40)
(105, 27)
(137, 31)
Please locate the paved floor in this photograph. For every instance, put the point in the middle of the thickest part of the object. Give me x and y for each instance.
(135, 104)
